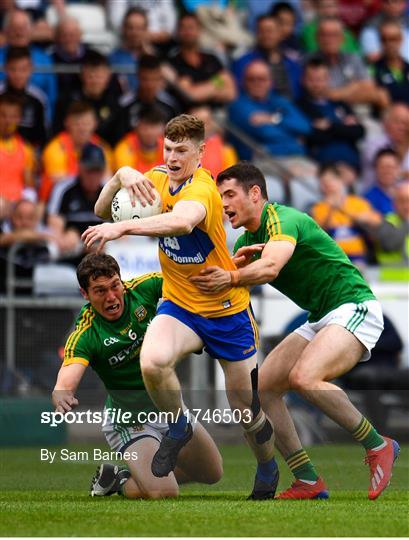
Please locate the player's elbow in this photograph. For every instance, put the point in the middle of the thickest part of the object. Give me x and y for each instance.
(100, 211)
(270, 270)
(184, 226)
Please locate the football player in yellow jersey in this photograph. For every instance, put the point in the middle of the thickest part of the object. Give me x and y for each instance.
(191, 237)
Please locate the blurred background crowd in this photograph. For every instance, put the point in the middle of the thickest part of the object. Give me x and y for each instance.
(314, 92)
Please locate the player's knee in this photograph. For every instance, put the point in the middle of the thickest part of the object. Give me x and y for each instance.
(215, 473)
(167, 492)
(153, 364)
(300, 380)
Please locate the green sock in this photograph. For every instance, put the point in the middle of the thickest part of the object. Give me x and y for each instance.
(301, 466)
(367, 435)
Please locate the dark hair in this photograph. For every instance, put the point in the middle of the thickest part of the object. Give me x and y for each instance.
(247, 175)
(330, 167)
(151, 114)
(149, 61)
(136, 10)
(264, 17)
(188, 15)
(79, 107)
(17, 53)
(11, 99)
(94, 266)
(385, 152)
(315, 62)
(94, 59)
(185, 126)
(282, 6)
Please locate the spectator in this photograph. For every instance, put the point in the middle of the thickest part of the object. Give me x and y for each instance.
(350, 79)
(391, 10)
(16, 156)
(393, 238)
(142, 148)
(286, 16)
(387, 176)
(217, 155)
(71, 205)
(336, 129)
(324, 9)
(42, 31)
(68, 50)
(18, 69)
(60, 156)
(99, 89)
(134, 44)
(391, 71)
(284, 71)
(197, 76)
(25, 228)
(271, 120)
(161, 14)
(395, 135)
(151, 91)
(18, 30)
(342, 215)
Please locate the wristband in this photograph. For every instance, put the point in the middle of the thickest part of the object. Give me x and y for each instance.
(235, 277)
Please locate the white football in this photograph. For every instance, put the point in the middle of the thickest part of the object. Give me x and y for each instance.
(122, 209)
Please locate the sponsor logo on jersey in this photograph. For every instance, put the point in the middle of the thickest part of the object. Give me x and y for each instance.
(191, 248)
(140, 313)
(110, 341)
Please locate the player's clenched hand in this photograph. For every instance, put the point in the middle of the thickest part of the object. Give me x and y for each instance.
(212, 279)
(139, 187)
(64, 401)
(102, 234)
(244, 255)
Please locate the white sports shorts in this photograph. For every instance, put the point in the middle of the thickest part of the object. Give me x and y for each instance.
(364, 320)
(120, 437)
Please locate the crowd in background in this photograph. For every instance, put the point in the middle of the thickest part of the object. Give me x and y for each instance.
(317, 89)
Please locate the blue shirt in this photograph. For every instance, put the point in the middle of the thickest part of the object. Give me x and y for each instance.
(380, 200)
(279, 138)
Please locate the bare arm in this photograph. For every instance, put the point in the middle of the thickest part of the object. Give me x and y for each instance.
(138, 186)
(182, 220)
(274, 257)
(68, 379)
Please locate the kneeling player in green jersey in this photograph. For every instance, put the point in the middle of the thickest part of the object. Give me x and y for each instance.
(292, 253)
(108, 336)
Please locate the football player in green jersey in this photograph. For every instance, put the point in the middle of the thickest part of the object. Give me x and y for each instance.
(287, 249)
(108, 337)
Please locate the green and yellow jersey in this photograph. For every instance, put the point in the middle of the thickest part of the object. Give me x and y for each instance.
(112, 348)
(319, 277)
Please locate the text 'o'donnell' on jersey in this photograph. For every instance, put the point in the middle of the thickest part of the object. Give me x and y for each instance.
(186, 255)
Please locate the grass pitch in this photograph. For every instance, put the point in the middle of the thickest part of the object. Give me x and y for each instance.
(40, 499)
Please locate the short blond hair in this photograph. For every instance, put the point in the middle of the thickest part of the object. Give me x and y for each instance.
(185, 126)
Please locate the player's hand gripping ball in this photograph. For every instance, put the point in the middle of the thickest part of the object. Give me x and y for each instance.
(122, 209)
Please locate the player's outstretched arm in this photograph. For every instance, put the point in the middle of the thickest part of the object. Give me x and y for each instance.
(244, 255)
(139, 188)
(182, 220)
(68, 379)
(275, 255)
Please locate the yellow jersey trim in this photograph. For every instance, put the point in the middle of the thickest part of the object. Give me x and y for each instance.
(284, 237)
(75, 360)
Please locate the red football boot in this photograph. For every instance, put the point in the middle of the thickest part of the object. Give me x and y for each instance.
(304, 490)
(380, 464)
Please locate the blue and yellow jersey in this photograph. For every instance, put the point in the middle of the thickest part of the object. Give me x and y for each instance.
(186, 255)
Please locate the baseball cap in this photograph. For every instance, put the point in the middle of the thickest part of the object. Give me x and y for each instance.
(92, 157)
